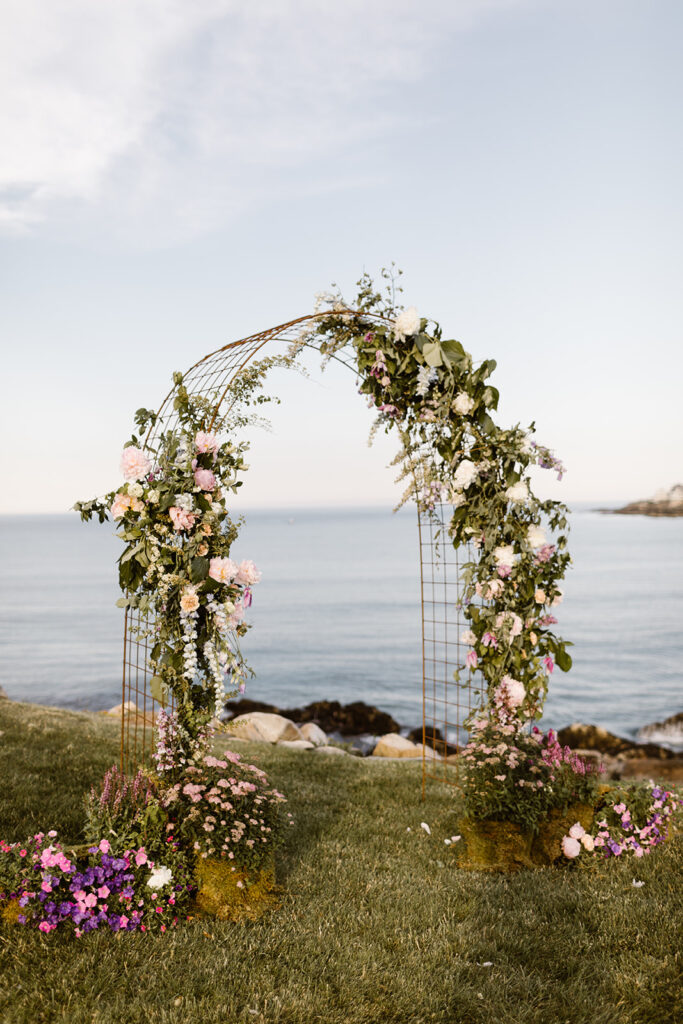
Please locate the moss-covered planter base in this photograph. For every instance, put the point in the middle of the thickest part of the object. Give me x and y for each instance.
(505, 847)
(494, 846)
(234, 894)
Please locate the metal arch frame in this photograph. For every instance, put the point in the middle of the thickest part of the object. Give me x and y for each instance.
(445, 702)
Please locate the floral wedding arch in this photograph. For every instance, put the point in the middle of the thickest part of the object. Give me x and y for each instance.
(489, 573)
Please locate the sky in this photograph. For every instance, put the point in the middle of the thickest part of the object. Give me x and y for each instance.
(175, 176)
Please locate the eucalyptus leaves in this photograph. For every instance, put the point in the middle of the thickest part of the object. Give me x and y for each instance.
(428, 389)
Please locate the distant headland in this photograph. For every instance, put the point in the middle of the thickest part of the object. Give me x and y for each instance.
(664, 503)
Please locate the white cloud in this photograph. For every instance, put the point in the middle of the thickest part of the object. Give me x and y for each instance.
(199, 108)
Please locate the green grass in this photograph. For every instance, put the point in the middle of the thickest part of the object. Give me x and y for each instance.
(377, 924)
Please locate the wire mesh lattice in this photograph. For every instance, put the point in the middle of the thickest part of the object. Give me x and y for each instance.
(446, 703)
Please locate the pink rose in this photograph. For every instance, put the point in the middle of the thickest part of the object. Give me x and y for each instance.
(223, 570)
(134, 463)
(205, 479)
(571, 847)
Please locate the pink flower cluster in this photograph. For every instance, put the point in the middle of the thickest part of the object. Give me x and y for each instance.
(623, 835)
(181, 519)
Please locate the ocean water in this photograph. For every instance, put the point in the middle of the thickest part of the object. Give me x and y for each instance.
(337, 614)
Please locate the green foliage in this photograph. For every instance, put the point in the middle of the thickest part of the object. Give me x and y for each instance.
(428, 390)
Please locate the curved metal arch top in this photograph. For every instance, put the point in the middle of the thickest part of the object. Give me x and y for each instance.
(445, 702)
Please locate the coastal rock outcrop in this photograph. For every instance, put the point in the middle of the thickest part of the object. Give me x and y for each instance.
(265, 727)
(669, 731)
(354, 719)
(393, 745)
(314, 734)
(593, 737)
(664, 503)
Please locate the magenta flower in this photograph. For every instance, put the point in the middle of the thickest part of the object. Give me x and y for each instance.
(472, 659)
(548, 664)
(489, 640)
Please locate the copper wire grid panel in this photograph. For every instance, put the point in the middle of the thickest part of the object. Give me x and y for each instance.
(445, 704)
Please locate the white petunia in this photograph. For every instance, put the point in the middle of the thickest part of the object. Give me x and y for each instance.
(535, 537)
(406, 324)
(463, 404)
(518, 491)
(160, 877)
(465, 474)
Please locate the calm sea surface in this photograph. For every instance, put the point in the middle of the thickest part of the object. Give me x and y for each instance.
(337, 614)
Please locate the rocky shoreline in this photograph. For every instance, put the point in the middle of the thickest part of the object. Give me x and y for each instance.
(360, 724)
(664, 503)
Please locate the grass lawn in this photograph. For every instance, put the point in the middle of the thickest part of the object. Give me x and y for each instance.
(377, 924)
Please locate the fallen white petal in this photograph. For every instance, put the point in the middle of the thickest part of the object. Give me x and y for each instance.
(637, 885)
(425, 826)
(447, 842)
(487, 963)
(456, 839)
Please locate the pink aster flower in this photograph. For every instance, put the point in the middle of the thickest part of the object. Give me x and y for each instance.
(134, 463)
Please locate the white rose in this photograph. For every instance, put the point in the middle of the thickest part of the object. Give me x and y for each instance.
(160, 877)
(464, 475)
(504, 555)
(518, 491)
(456, 498)
(153, 497)
(535, 537)
(588, 842)
(463, 404)
(184, 501)
(406, 324)
(468, 637)
(135, 490)
(539, 596)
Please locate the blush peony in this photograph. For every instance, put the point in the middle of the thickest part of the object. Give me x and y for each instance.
(223, 570)
(247, 574)
(181, 519)
(407, 324)
(205, 479)
(514, 690)
(206, 443)
(504, 555)
(577, 830)
(571, 847)
(134, 463)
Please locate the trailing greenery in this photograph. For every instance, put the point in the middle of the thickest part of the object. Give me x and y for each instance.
(427, 388)
(178, 534)
(376, 924)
